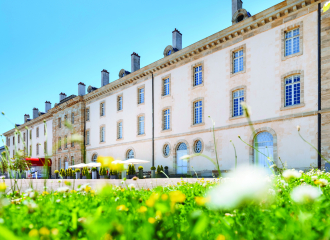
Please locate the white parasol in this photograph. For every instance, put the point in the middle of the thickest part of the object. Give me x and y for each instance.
(93, 164)
(80, 165)
(135, 161)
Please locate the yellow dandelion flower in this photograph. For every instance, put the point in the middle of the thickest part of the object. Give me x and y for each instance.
(200, 201)
(164, 197)
(221, 237)
(44, 231)
(87, 188)
(55, 193)
(54, 231)
(142, 209)
(34, 233)
(158, 215)
(3, 187)
(122, 208)
(150, 202)
(151, 220)
(177, 196)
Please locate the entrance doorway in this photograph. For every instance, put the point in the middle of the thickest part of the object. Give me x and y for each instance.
(182, 165)
(264, 143)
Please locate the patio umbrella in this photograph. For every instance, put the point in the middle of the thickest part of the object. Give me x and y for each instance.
(80, 165)
(93, 164)
(118, 161)
(135, 161)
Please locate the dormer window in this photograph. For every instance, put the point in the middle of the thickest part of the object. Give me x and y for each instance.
(240, 18)
(169, 52)
(123, 75)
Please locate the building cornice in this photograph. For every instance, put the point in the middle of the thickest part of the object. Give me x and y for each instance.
(47, 115)
(219, 40)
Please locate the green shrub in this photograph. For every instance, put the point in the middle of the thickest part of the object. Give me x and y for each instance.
(153, 168)
(161, 168)
(56, 171)
(94, 169)
(62, 172)
(140, 168)
(113, 172)
(158, 169)
(103, 171)
(166, 167)
(77, 170)
(84, 171)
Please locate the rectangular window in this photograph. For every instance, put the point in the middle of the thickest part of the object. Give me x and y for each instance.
(238, 61)
(120, 130)
(45, 147)
(87, 138)
(238, 97)
(59, 164)
(30, 150)
(120, 103)
(102, 134)
(66, 142)
(141, 95)
(59, 143)
(292, 42)
(24, 137)
(72, 118)
(8, 141)
(102, 109)
(37, 148)
(87, 114)
(14, 141)
(167, 119)
(59, 123)
(44, 129)
(30, 134)
(198, 112)
(18, 138)
(72, 142)
(292, 90)
(72, 160)
(141, 125)
(166, 83)
(198, 75)
(37, 132)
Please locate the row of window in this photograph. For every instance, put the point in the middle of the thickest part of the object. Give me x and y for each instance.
(65, 119)
(65, 143)
(66, 163)
(24, 136)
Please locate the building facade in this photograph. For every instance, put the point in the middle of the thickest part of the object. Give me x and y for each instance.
(275, 61)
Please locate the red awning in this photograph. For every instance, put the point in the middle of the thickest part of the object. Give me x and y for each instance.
(39, 161)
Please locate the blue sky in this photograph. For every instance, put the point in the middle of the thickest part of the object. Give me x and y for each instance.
(48, 47)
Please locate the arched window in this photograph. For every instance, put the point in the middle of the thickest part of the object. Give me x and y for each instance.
(166, 150)
(130, 154)
(182, 164)
(169, 52)
(240, 18)
(94, 158)
(198, 146)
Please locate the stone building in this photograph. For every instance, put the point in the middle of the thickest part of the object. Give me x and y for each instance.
(276, 61)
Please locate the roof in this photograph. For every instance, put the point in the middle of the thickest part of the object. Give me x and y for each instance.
(67, 99)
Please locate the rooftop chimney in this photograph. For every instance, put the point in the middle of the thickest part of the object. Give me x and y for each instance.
(135, 62)
(35, 113)
(81, 89)
(176, 39)
(236, 5)
(48, 106)
(26, 117)
(104, 77)
(62, 96)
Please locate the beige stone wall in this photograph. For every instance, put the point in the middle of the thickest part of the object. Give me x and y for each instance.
(76, 106)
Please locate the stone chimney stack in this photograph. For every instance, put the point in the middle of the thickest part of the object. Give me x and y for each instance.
(236, 5)
(48, 106)
(81, 89)
(135, 62)
(62, 96)
(26, 117)
(35, 113)
(104, 77)
(176, 39)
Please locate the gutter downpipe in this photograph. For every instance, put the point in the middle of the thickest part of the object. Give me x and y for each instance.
(319, 84)
(153, 120)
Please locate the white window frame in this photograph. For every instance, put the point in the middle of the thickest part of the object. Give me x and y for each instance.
(120, 130)
(198, 75)
(102, 109)
(87, 137)
(141, 96)
(141, 125)
(166, 86)
(240, 98)
(120, 102)
(198, 112)
(102, 134)
(293, 94)
(167, 119)
(238, 61)
(290, 46)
